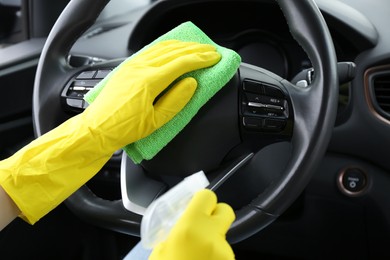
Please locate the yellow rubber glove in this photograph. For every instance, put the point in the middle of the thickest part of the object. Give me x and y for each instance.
(48, 170)
(146, 76)
(200, 233)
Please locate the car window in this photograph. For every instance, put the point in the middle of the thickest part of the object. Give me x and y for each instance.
(13, 28)
(118, 7)
(11, 2)
(10, 22)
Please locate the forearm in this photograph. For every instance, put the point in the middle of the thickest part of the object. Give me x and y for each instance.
(9, 211)
(48, 170)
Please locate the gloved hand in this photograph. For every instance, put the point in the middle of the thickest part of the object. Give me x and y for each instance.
(141, 80)
(200, 233)
(48, 170)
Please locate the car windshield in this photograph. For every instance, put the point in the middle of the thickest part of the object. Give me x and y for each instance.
(119, 7)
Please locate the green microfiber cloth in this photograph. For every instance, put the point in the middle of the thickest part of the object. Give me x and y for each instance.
(210, 81)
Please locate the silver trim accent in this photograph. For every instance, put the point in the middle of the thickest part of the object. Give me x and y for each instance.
(214, 185)
(256, 104)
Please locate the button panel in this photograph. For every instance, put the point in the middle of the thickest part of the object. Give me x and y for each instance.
(73, 94)
(264, 107)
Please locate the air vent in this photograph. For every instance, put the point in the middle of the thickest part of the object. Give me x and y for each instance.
(381, 88)
(377, 91)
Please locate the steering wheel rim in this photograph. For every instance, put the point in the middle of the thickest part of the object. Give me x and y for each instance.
(313, 109)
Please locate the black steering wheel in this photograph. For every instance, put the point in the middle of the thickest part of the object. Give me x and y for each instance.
(270, 132)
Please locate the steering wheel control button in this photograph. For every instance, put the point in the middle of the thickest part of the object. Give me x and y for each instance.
(274, 100)
(264, 107)
(274, 108)
(86, 83)
(86, 74)
(273, 92)
(253, 87)
(80, 87)
(73, 94)
(352, 181)
(255, 104)
(274, 124)
(101, 74)
(252, 122)
(76, 103)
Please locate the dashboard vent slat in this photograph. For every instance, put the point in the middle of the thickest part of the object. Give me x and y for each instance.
(381, 87)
